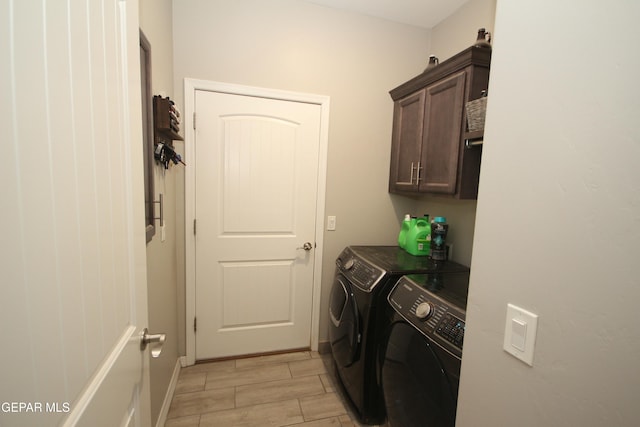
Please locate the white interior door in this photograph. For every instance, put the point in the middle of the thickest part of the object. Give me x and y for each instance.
(73, 294)
(256, 194)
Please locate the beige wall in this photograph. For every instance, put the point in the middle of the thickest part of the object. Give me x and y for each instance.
(558, 219)
(299, 46)
(460, 30)
(162, 257)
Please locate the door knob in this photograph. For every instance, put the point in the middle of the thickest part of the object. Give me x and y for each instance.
(156, 341)
(307, 246)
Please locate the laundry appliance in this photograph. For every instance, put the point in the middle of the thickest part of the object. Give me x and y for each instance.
(422, 352)
(364, 277)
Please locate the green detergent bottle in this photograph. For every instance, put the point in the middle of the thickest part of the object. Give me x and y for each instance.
(418, 237)
(424, 238)
(404, 229)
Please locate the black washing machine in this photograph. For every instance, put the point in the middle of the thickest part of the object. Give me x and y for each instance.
(423, 350)
(364, 277)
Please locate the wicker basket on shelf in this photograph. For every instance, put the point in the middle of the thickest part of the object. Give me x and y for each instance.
(476, 111)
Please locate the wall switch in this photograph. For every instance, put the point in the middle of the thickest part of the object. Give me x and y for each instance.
(331, 223)
(520, 333)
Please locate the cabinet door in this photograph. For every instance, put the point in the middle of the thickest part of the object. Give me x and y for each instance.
(406, 142)
(444, 105)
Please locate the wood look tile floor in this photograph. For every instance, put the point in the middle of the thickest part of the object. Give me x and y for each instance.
(293, 389)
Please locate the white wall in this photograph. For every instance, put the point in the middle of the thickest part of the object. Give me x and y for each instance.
(557, 219)
(298, 46)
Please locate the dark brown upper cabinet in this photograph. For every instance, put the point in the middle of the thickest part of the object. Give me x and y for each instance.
(428, 153)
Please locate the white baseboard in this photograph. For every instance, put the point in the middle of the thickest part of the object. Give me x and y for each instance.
(164, 411)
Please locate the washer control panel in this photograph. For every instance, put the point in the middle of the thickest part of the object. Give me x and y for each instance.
(360, 273)
(442, 322)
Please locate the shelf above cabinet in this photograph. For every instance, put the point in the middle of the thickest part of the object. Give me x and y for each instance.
(472, 56)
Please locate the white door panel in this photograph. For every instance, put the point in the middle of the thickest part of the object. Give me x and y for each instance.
(256, 192)
(73, 294)
(259, 175)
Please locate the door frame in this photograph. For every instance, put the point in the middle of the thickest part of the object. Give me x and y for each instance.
(190, 88)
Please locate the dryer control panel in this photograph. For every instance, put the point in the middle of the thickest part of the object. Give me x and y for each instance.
(436, 318)
(359, 272)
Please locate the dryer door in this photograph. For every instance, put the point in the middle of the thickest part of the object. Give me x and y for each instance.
(419, 389)
(344, 330)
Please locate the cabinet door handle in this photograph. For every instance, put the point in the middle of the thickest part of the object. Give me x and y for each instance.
(411, 178)
(418, 169)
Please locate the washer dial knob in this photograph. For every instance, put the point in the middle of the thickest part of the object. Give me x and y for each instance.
(424, 310)
(349, 264)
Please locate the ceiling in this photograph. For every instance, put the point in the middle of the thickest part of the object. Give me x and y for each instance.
(421, 13)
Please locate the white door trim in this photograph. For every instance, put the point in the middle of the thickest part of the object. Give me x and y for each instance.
(190, 87)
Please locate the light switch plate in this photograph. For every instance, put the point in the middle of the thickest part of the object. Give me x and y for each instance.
(331, 223)
(520, 333)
